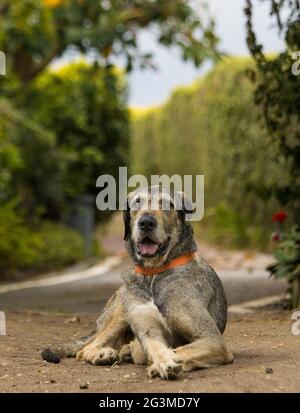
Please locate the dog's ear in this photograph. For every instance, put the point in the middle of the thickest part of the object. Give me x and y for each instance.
(183, 205)
(126, 216)
(126, 220)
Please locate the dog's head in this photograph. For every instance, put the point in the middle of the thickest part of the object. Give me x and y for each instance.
(156, 226)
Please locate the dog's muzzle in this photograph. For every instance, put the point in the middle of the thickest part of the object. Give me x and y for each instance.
(148, 246)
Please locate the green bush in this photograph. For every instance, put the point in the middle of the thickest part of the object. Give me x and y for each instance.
(84, 106)
(24, 248)
(56, 137)
(59, 246)
(287, 265)
(227, 227)
(18, 245)
(59, 134)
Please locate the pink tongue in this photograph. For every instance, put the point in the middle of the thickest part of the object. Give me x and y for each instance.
(148, 249)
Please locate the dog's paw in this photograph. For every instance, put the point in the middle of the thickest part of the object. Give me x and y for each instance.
(98, 356)
(125, 354)
(50, 356)
(166, 366)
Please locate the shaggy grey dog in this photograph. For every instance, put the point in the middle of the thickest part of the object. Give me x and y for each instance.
(171, 310)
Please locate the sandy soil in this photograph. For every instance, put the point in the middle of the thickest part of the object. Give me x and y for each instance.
(267, 359)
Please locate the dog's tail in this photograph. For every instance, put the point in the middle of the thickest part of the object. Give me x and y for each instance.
(53, 354)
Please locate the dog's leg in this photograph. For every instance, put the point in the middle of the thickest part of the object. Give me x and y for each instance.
(203, 353)
(111, 335)
(206, 346)
(54, 353)
(133, 353)
(148, 326)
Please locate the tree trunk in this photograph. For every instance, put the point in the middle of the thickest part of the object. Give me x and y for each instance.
(296, 293)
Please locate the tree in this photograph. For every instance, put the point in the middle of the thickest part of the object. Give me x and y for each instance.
(278, 94)
(34, 32)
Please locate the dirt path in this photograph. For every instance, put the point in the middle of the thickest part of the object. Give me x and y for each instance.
(259, 342)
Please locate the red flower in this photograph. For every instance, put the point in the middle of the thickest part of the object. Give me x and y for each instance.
(280, 216)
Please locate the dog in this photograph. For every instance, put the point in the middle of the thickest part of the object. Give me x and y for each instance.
(171, 310)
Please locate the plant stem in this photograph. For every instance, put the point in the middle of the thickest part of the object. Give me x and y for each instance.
(296, 293)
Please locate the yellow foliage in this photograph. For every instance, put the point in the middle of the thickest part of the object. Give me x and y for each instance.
(54, 3)
(137, 111)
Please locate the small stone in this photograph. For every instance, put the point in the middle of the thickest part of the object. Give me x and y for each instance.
(84, 385)
(75, 319)
(126, 376)
(269, 370)
(52, 381)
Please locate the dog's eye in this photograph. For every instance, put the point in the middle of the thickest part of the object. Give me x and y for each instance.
(136, 204)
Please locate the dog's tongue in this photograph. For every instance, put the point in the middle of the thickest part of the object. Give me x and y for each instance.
(147, 248)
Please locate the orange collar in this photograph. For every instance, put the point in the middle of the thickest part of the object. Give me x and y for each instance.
(184, 259)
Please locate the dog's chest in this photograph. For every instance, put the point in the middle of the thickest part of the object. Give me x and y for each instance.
(156, 288)
(150, 283)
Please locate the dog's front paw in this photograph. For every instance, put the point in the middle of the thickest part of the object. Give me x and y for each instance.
(166, 366)
(98, 356)
(125, 354)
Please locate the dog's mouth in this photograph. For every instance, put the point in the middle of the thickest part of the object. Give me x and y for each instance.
(148, 248)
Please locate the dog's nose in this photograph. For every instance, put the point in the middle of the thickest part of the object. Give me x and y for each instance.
(147, 223)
